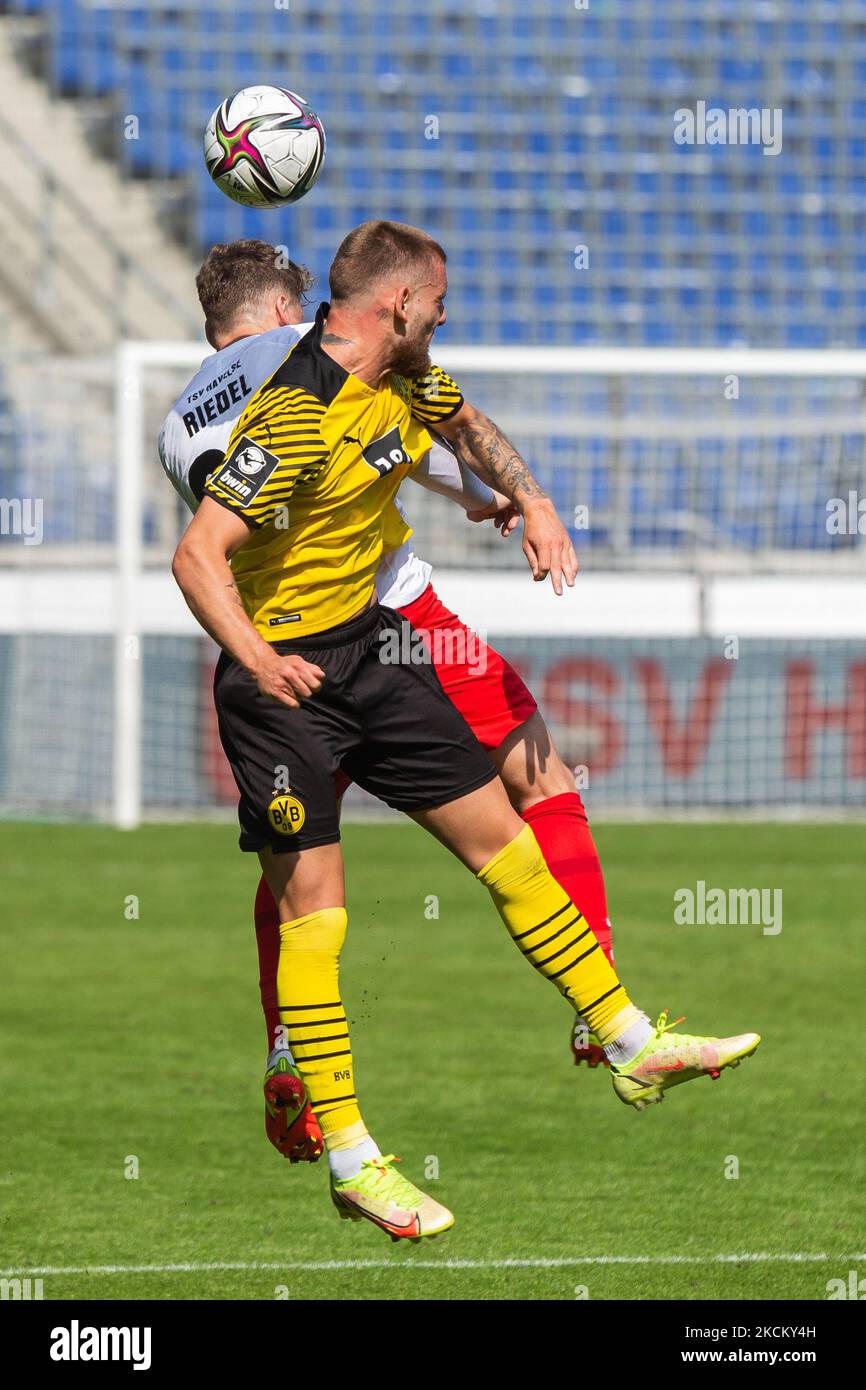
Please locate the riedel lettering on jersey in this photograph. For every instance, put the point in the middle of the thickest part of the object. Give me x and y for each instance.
(216, 405)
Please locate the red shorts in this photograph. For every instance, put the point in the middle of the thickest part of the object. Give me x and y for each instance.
(482, 685)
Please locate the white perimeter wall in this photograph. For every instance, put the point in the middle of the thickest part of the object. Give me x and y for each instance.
(613, 605)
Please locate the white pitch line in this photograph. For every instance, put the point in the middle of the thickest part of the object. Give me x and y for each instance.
(327, 1266)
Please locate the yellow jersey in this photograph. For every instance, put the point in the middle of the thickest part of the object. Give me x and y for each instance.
(312, 465)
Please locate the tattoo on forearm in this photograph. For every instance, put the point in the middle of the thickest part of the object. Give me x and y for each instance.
(483, 444)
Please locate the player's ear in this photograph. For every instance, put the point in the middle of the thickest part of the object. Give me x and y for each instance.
(286, 311)
(401, 303)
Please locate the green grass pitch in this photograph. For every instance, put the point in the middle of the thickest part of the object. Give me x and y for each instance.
(139, 1041)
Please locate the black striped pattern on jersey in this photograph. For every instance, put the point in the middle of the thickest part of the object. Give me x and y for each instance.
(285, 421)
(435, 397)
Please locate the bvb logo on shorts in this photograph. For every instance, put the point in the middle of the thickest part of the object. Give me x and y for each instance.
(286, 814)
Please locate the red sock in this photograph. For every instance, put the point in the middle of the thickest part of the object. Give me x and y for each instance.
(267, 920)
(561, 828)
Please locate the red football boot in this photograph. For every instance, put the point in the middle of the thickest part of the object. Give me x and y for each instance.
(290, 1123)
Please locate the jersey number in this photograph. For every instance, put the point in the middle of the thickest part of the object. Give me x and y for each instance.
(386, 453)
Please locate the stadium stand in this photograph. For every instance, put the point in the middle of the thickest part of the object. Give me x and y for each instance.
(554, 130)
(537, 142)
(550, 135)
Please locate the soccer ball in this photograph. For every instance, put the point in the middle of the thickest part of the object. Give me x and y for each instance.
(264, 147)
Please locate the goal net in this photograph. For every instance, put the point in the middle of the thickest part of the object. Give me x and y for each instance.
(711, 656)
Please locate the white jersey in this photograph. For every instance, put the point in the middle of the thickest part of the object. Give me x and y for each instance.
(199, 425)
(197, 429)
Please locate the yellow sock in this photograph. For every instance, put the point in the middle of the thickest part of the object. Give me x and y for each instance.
(553, 934)
(308, 993)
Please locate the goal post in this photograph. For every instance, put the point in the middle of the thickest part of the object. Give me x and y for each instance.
(132, 360)
(711, 494)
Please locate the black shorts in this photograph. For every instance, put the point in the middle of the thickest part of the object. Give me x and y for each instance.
(388, 724)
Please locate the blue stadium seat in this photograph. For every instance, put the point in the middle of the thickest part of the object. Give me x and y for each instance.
(551, 134)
